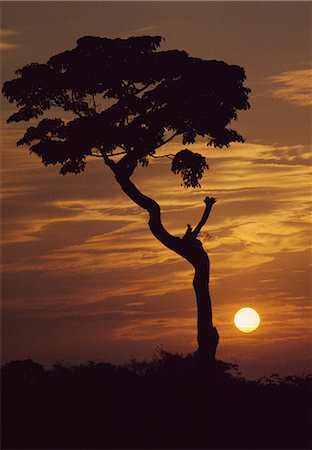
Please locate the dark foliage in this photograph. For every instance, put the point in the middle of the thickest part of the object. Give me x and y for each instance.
(126, 95)
(171, 402)
(190, 165)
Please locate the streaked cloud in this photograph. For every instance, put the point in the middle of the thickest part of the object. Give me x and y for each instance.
(4, 34)
(146, 29)
(294, 86)
(7, 46)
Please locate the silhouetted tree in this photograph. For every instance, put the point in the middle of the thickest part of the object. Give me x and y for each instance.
(128, 99)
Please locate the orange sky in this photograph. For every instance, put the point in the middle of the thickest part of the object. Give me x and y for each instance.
(82, 276)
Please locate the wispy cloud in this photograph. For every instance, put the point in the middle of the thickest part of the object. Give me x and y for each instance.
(143, 29)
(7, 46)
(4, 34)
(294, 86)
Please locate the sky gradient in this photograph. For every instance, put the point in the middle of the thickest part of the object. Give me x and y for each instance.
(82, 276)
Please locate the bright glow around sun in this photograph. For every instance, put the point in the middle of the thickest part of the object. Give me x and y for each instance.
(247, 320)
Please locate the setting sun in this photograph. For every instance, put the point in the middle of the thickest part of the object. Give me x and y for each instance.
(247, 320)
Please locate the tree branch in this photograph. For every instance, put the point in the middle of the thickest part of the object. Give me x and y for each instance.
(138, 91)
(169, 155)
(94, 104)
(111, 164)
(150, 205)
(183, 247)
(167, 140)
(128, 163)
(145, 202)
(119, 153)
(112, 154)
(209, 201)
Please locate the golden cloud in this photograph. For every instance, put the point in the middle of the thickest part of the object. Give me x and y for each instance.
(294, 86)
(7, 32)
(4, 33)
(6, 46)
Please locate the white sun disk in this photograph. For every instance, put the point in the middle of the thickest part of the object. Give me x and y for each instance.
(247, 320)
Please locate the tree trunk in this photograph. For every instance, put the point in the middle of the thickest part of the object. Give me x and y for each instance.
(207, 335)
(191, 249)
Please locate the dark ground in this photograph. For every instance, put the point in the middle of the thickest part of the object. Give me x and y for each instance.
(169, 402)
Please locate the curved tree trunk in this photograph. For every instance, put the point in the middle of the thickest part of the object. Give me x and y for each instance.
(191, 249)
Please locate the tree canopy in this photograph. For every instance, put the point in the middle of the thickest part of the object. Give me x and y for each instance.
(127, 98)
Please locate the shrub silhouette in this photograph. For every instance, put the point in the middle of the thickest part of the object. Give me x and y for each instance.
(172, 401)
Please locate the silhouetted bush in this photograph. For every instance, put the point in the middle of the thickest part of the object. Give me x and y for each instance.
(172, 401)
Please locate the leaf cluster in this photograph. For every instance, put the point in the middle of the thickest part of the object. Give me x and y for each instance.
(126, 96)
(190, 165)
